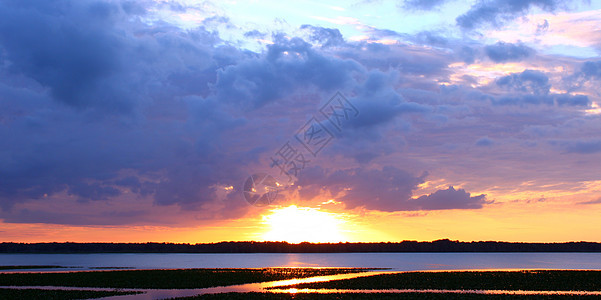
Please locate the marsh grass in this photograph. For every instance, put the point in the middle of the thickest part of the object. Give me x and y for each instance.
(166, 279)
(18, 294)
(30, 267)
(544, 280)
(362, 296)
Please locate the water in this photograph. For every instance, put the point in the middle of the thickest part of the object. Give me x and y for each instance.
(395, 261)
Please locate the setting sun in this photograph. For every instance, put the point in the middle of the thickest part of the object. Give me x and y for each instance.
(303, 224)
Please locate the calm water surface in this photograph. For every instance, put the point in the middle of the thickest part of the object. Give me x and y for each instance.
(396, 261)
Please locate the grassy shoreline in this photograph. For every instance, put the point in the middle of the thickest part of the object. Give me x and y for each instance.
(31, 267)
(10, 294)
(532, 280)
(525, 280)
(166, 279)
(370, 296)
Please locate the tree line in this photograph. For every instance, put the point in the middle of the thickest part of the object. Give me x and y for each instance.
(444, 245)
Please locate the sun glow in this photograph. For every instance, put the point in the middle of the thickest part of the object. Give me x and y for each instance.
(303, 224)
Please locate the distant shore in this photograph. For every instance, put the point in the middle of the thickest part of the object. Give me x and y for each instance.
(284, 247)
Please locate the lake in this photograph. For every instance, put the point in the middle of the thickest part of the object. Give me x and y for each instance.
(396, 261)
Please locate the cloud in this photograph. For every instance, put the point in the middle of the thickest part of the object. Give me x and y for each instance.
(402, 58)
(594, 201)
(529, 81)
(467, 54)
(326, 37)
(450, 199)
(582, 147)
(66, 47)
(571, 100)
(76, 218)
(289, 64)
(216, 20)
(423, 4)
(497, 12)
(542, 27)
(504, 52)
(592, 69)
(551, 100)
(432, 38)
(378, 104)
(484, 142)
(111, 106)
(387, 189)
(121, 118)
(114, 97)
(255, 34)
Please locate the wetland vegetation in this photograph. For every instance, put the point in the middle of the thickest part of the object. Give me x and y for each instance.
(19, 294)
(375, 296)
(534, 280)
(165, 279)
(427, 285)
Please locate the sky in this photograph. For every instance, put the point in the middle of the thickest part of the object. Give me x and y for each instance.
(138, 121)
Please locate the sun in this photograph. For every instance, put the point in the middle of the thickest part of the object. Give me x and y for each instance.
(303, 224)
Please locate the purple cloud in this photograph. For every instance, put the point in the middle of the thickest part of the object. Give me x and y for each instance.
(505, 52)
(529, 81)
(497, 12)
(100, 106)
(450, 199)
(423, 4)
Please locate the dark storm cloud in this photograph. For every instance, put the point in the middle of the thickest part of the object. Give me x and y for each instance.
(93, 192)
(166, 106)
(287, 66)
(497, 12)
(505, 52)
(68, 47)
(129, 112)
